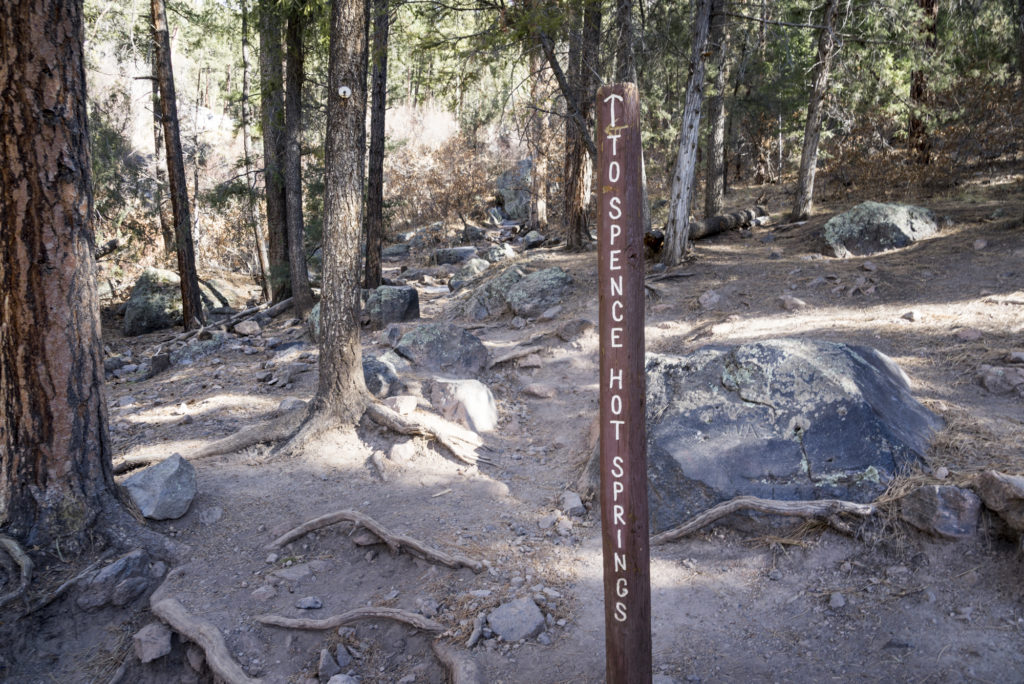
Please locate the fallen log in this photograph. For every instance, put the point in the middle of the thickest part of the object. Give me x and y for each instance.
(654, 240)
(107, 247)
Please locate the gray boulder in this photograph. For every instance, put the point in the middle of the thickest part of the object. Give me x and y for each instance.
(471, 233)
(118, 583)
(164, 491)
(469, 270)
(513, 189)
(1003, 494)
(489, 299)
(942, 510)
(395, 252)
(780, 419)
(469, 402)
(532, 240)
(500, 252)
(155, 302)
(515, 620)
(453, 255)
(392, 304)
(380, 377)
(872, 227)
(444, 347)
(151, 642)
(534, 294)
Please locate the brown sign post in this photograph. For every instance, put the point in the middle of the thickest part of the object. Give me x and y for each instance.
(624, 523)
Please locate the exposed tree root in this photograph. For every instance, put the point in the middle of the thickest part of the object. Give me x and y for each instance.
(824, 509)
(206, 636)
(478, 630)
(408, 425)
(394, 541)
(347, 618)
(67, 584)
(269, 431)
(25, 566)
(462, 668)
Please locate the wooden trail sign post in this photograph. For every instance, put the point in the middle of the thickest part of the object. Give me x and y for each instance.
(624, 522)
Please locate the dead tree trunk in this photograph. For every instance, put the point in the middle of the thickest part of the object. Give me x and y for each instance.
(192, 306)
(804, 202)
(272, 115)
(302, 295)
(55, 471)
(374, 229)
(714, 194)
(159, 168)
(678, 231)
(540, 121)
(259, 245)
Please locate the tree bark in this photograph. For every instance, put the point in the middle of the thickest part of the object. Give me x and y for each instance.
(341, 394)
(259, 245)
(714, 195)
(302, 295)
(582, 89)
(678, 231)
(159, 169)
(272, 115)
(917, 129)
(540, 121)
(191, 304)
(625, 59)
(804, 202)
(374, 229)
(55, 471)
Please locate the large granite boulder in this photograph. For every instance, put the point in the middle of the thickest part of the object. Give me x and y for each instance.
(444, 347)
(453, 255)
(471, 269)
(488, 300)
(392, 304)
(539, 291)
(155, 302)
(873, 227)
(513, 189)
(780, 419)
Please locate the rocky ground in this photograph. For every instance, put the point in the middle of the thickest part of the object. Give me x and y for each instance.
(762, 600)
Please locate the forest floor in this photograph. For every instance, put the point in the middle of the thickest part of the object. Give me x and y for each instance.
(780, 602)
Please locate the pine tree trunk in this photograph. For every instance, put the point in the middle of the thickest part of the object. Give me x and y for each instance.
(540, 122)
(374, 229)
(678, 231)
(191, 304)
(159, 168)
(625, 60)
(714, 195)
(341, 393)
(804, 202)
(302, 295)
(272, 115)
(55, 471)
(917, 129)
(580, 94)
(254, 218)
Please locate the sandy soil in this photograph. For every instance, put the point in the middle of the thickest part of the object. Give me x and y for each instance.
(771, 602)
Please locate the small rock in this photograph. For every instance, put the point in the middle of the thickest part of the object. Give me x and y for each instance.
(532, 240)
(563, 527)
(290, 404)
(309, 603)
(869, 266)
(247, 328)
(402, 452)
(775, 574)
(941, 473)
(942, 510)
(836, 601)
(544, 639)
(550, 314)
(342, 679)
(980, 244)
(571, 504)
(264, 593)
(341, 655)
(710, 300)
(912, 315)
(164, 491)
(365, 538)
(125, 401)
(547, 521)
(328, 666)
(272, 558)
(540, 390)
(211, 515)
(791, 303)
(196, 657)
(1014, 357)
(402, 404)
(515, 620)
(1003, 494)
(263, 376)
(968, 334)
(152, 641)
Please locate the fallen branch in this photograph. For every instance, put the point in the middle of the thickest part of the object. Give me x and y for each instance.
(19, 556)
(272, 311)
(347, 618)
(478, 630)
(516, 353)
(820, 508)
(461, 666)
(408, 425)
(206, 636)
(670, 275)
(394, 541)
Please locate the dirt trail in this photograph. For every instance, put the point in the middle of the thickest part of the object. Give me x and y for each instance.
(782, 603)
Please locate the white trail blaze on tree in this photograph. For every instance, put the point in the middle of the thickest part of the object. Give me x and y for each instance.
(624, 519)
